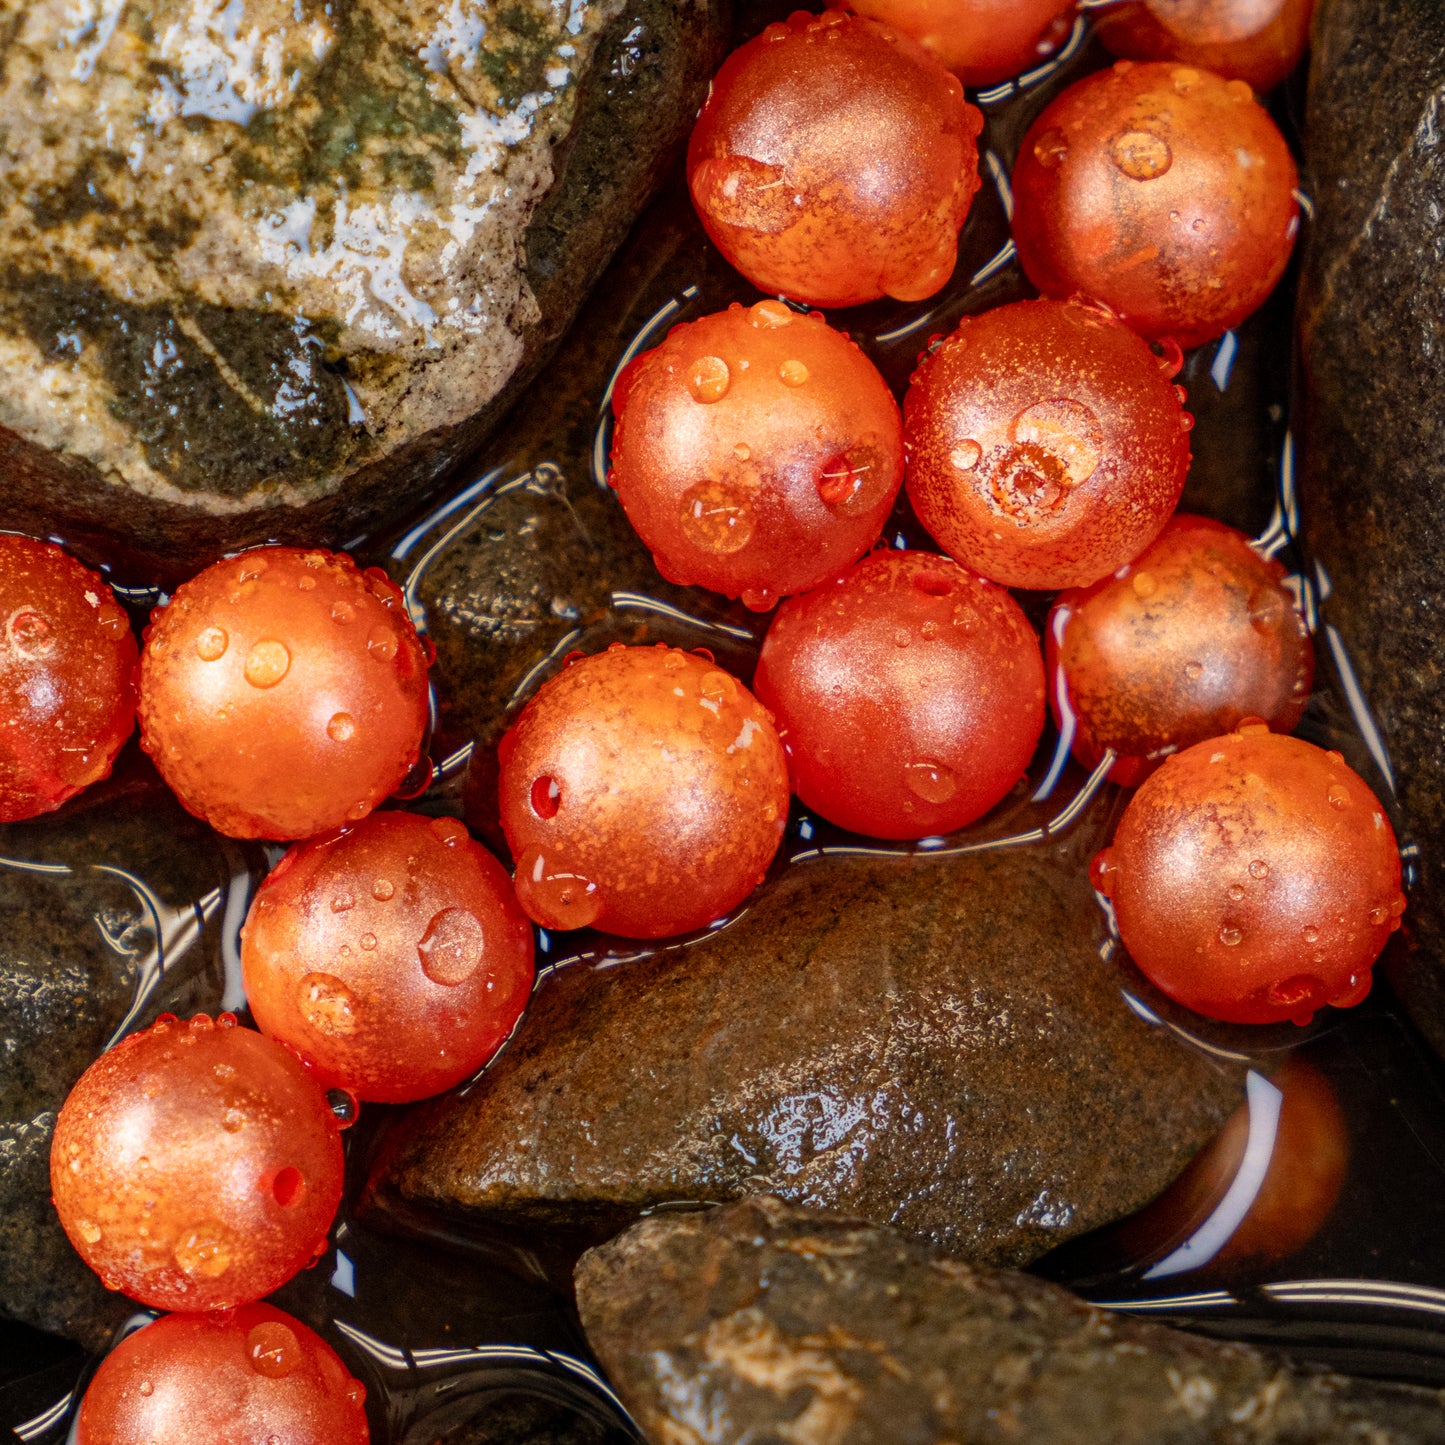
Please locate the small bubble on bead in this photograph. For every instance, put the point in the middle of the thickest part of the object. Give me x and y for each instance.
(327, 1004)
(793, 373)
(930, 781)
(451, 948)
(708, 379)
(267, 663)
(211, 644)
(341, 728)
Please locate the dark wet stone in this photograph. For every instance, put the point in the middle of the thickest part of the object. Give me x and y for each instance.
(1373, 482)
(928, 1042)
(279, 291)
(770, 1324)
(78, 963)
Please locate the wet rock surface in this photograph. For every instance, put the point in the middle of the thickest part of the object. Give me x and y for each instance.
(766, 1323)
(263, 274)
(87, 952)
(931, 1042)
(1373, 355)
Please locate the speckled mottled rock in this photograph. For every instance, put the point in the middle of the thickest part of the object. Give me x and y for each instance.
(269, 268)
(77, 955)
(1372, 327)
(928, 1042)
(777, 1326)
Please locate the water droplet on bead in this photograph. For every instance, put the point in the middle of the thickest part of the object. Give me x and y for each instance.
(1230, 936)
(708, 379)
(273, 1349)
(344, 1106)
(844, 481)
(1267, 609)
(554, 895)
(1258, 868)
(1102, 871)
(383, 889)
(381, 644)
(758, 599)
(451, 948)
(1184, 79)
(793, 373)
(327, 1004)
(267, 663)
(717, 518)
(449, 831)
(204, 1250)
(1051, 149)
(31, 634)
(932, 782)
(88, 1231)
(965, 455)
(341, 902)
(1236, 891)
(368, 942)
(1239, 91)
(233, 1120)
(769, 315)
(1339, 796)
(146, 1388)
(1144, 584)
(211, 644)
(1140, 154)
(342, 612)
(1193, 671)
(1251, 727)
(717, 686)
(1301, 991)
(341, 728)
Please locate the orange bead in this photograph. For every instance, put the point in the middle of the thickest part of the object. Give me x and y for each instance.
(1198, 634)
(757, 451)
(67, 678)
(252, 1376)
(980, 41)
(1255, 878)
(196, 1165)
(1259, 41)
(1047, 446)
(283, 692)
(643, 791)
(909, 695)
(835, 162)
(1163, 191)
(392, 956)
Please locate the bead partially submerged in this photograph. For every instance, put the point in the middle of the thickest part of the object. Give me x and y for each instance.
(283, 692)
(835, 162)
(392, 956)
(1255, 878)
(644, 791)
(1047, 446)
(1193, 637)
(67, 678)
(909, 695)
(251, 1376)
(1163, 191)
(757, 451)
(196, 1165)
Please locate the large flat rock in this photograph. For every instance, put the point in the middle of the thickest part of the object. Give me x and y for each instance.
(927, 1042)
(769, 1325)
(268, 268)
(1372, 308)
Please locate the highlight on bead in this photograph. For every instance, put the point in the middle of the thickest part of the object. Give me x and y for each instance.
(757, 451)
(67, 678)
(1162, 190)
(196, 1165)
(1255, 878)
(391, 956)
(1196, 634)
(909, 694)
(643, 791)
(835, 162)
(283, 692)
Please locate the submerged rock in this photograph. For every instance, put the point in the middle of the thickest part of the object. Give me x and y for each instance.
(929, 1042)
(769, 1324)
(1373, 483)
(267, 269)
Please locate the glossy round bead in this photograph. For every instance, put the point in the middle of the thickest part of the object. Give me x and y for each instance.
(1196, 635)
(67, 678)
(909, 695)
(283, 692)
(391, 956)
(1259, 41)
(980, 41)
(196, 1165)
(252, 1376)
(757, 451)
(835, 162)
(1163, 191)
(1047, 446)
(643, 791)
(1255, 878)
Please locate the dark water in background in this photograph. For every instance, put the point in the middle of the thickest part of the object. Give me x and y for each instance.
(453, 1333)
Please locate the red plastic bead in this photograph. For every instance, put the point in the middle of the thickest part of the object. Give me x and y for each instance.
(1196, 635)
(1047, 445)
(67, 678)
(1255, 878)
(757, 451)
(835, 162)
(252, 1376)
(909, 695)
(196, 1165)
(392, 956)
(1163, 191)
(283, 692)
(643, 791)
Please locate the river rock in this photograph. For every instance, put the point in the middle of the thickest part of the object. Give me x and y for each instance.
(1373, 484)
(113, 913)
(931, 1042)
(776, 1326)
(268, 268)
